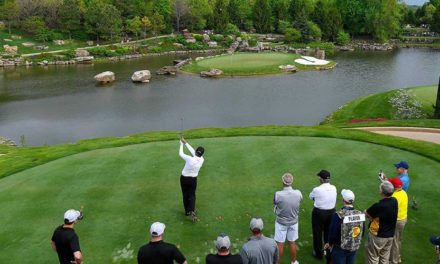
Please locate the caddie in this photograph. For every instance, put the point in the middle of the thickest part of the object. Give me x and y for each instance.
(346, 230)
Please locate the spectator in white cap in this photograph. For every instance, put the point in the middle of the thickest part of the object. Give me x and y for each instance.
(157, 251)
(346, 230)
(223, 256)
(259, 249)
(65, 241)
(286, 207)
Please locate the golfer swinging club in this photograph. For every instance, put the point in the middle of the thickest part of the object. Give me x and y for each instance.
(188, 179)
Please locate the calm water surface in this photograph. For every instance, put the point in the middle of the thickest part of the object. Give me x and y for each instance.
(62, 104)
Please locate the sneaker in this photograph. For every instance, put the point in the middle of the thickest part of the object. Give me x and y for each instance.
(193, 216)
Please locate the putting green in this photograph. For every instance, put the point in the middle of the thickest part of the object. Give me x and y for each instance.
(245, 63)
(125, 189)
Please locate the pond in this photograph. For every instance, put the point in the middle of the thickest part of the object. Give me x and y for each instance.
(61, 104)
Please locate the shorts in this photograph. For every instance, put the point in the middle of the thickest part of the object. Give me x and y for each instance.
(282, 232)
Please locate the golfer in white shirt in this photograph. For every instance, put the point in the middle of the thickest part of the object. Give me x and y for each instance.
(324, 197)
(188, 178)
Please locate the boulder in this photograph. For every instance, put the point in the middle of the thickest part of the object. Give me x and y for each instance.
(212, 44)
(167, 70)
(41, 47)
(43, 63)
(59, 42)
(84, 60)
(15, 37)
(141, 76)
(27, 44)
(288, 68)
(320, 54)
(211, 73)
(179, 45)
(7, 40)
(238, 39)
(7, 141)
(191, 40)
(105, 77)
(10, 49)
(206, 38)
(82, 53)
(89, 43)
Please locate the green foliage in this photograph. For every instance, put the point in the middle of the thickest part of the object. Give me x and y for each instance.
(220, 16)
(155, 49)
(315, 31)
(103, 20)
(292, 35)
(198, 37)
(343, 38)
(240, 12)
(33, 25)
(232, 29)
(70, 16)
(283, 26)
(382, 19)
(157, 23)
(109, 51)
(134, 25)
(261, 13)
(435, 24)
(327, 16)
(9, 12)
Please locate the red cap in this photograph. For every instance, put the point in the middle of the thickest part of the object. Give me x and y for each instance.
(396, 182)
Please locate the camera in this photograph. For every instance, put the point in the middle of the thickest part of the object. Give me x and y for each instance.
(381, 175)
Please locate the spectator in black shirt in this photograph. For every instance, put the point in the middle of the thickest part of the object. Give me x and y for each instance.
(157, 251)
(223, 255)
(65, 241)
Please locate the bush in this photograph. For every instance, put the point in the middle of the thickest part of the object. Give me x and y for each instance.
(232, 29)
(252, 42)
(291, 35)
(198, 37)
(244, 36)
(102, 52)
(282, 26)
(342, 38)
(181, 39)
(155, 49)
(195, 46)
(217, 37)
(315, 31)
(69, 54)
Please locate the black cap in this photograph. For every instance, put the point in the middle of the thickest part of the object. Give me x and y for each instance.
(324, 174)
(435, 240)
(200, 151)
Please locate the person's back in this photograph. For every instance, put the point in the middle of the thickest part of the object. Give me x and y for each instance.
(287, 204)
(66, 242)
(259, 250)
(159, 252)
(228, 259)
(384, 214)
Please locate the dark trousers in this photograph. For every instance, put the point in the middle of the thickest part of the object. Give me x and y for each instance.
(188, 185)
(342, 256)
(321, 220)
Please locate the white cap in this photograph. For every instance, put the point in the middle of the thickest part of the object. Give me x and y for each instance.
(256, 223)
(223, 242)
(157, 229)
(347, 195)
(71, 215)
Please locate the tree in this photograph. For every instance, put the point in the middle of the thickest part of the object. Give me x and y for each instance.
(134, 25)
(163, 8)
(382, 19)
(145, 25)
(9, 13)
(353, 15)
(33, 25)
(343, 38)
(102, 20)
(220, 17)
(262, 16)
(326, 15)
(292, 35)
(70, 16)
(315, 31)
(180, 10)
(435, 24)
(157, 23)
(239, 11)
(198, 13)
(44, 34)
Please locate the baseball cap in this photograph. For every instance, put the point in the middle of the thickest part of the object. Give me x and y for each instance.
(223, 241)
(72, 215)
(347, 195)
(287, 179)
(402, 164)
(157, 229)
(324, 174)
(256, 223)
(396, 182)
(435, 240)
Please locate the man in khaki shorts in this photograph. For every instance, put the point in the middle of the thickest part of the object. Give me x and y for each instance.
(286, 203)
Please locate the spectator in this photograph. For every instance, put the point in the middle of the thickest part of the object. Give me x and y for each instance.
(435, 240)
(188, 178)
(259, 249)
(324, 197)
(383, 218)
(157, 251)
(402, 205)
(346, 230)
(402, 172)
(286, 203)
(223, 255)
(65, 241)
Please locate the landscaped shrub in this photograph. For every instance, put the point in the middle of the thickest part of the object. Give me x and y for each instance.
(181, 39)
(232, 29)
(155, 49)
(406, 106)
(283, 26)
(315, 31)
(252, 42)
(102, 52)
(69, 54)
(342, 38)
(198, 37)
(292, 35)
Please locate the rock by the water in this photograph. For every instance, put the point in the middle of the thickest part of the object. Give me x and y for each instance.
(43, 47)
(82, 53)
(179, 45)
(84, 60)
(320, 54)
(288, 68)
(105, 77)
(167, 70)
(7, 142)
(10, 49)
(211, 73)
(141, 76)
(7, 40)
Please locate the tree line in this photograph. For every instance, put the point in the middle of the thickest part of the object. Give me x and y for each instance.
(299, 20)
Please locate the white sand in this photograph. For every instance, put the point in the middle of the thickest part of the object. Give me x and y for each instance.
(306, 60)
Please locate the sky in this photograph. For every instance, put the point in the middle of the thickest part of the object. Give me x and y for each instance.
(415, 2)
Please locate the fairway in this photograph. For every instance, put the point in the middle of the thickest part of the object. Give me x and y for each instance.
(244, 63)
(125, 189)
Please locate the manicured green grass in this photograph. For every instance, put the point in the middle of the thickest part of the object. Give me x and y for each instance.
(125, 189)
(4, 34)
(246, 63)
(429, 123)
(378, 105)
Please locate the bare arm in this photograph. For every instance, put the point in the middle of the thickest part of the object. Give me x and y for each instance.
(54, 247)
(78, 257)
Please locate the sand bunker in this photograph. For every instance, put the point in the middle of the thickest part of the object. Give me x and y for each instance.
(306, 60)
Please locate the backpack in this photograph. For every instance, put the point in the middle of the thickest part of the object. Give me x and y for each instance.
(351, 228)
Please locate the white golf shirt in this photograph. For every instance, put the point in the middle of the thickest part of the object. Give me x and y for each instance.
(324, 196)
(192, 163)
